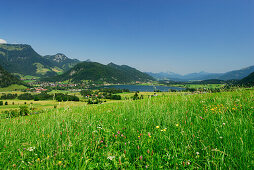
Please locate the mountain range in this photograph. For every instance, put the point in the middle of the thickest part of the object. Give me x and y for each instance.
(110, 73)
(231, 75)
(23, 60)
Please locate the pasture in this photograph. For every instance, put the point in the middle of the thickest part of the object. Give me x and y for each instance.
(211, 131)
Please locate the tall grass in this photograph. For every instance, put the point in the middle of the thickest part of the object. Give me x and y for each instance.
(171, 131)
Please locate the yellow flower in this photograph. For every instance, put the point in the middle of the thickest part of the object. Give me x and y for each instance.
(38, 159)
(157, 127)
(60, 162)
(177, 124)
(139, 136)
(47, 157)
(164, 130)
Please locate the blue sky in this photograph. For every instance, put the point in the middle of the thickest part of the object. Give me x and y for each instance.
(181, 36)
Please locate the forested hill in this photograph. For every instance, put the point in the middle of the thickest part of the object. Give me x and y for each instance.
(22, 59)
(6, 79)
(97, 72)
(247, 81)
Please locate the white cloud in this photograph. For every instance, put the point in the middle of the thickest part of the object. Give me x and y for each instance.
(2, 41)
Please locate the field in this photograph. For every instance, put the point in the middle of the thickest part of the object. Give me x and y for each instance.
(176, 130)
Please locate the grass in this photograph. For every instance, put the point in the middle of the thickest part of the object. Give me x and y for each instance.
(41, 69)
(12, 87)
(208, 131)
(38, 105)
(207, 86)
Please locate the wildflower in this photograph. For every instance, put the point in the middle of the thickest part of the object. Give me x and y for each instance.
(223, 124)
(197, 153)
(188, 163)
(38, 159)
(31, 149)
(177, 125)
(111, 157)
(47, 157)
(138, 136)
(157, 127)
(60, 162)
(141, 157)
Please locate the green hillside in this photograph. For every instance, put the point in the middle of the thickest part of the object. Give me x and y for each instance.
(22, 59)
(247, 81)
(103, 73)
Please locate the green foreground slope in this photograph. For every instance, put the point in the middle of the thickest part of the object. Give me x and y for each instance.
(171, 131)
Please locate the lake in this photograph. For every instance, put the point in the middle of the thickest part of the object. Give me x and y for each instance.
(142, 88)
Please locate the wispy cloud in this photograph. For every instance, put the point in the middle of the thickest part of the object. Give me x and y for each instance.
(2, 41)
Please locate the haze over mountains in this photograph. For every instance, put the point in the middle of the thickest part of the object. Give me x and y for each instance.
(231, 75)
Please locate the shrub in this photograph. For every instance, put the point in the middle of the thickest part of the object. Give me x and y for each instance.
(26, 96)
(23, 110)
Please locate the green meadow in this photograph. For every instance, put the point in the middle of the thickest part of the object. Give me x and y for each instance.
(169, 131)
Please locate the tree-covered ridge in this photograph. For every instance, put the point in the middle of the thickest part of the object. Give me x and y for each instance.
(22, 59)
(6, 79)
(247, 81)
(103, 73)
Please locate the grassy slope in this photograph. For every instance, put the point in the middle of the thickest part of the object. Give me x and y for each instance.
(205, 131)
(13, 87)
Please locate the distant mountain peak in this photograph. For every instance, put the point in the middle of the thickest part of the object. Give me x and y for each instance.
(88, 60)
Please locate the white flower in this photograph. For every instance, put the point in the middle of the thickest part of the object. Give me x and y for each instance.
(111, 157)
(31, 149)
(197, 153)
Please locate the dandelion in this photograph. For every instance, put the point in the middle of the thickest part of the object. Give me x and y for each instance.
(177, 125)
(138, 136)
(60, 162)
(38, 159)
(157, 127)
